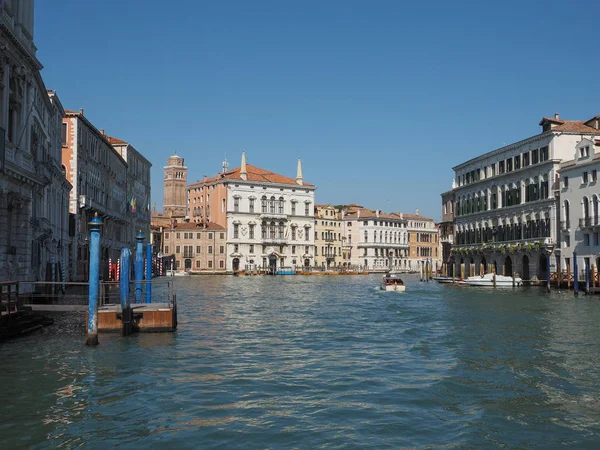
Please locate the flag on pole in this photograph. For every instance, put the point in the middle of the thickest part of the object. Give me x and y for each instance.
(132, 204)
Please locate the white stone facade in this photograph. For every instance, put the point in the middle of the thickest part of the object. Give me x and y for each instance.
(379, 241)
(579, 198)
(506, 213)
(32, 186)
(269, 225)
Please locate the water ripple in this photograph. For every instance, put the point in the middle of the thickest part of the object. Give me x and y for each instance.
(316, 362)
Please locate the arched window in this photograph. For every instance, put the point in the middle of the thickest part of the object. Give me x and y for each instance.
(280, 230)
(263, 201)
(272, 205)
(281, 205)
(272, 230)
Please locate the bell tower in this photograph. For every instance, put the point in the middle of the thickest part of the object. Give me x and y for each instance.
(175, 187)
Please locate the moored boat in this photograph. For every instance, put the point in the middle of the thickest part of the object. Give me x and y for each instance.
(488, 280)
(445, 279)
(392, 282)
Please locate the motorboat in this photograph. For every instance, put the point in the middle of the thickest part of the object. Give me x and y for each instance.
(488, 280)
(392, 282)
(444, 279)
(177, 273)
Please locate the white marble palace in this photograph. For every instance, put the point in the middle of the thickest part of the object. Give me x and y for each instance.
(269, 217)
(506, 201)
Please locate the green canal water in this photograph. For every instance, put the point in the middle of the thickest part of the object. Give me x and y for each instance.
(317, 362)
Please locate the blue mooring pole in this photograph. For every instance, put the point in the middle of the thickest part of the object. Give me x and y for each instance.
(575, 275)
(139, 266)
(94, 282)
(124, 277)
(148, 273)
(124, 288)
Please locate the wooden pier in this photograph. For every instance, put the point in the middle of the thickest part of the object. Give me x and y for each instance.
(150, 317)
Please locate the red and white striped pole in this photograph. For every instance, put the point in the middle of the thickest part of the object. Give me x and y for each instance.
(118, 269)
(109, 268)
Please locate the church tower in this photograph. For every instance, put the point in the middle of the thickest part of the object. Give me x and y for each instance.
(175, 188)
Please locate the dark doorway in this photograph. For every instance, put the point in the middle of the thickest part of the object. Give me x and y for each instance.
(236, 264)
(508, 267)
(525, 269)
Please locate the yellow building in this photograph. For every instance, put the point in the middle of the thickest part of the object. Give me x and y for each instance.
(328, 237)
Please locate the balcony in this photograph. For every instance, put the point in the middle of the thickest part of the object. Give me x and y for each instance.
(188, 254)
(330, 239)
(589, 222)
(273, 216)
(388, 244)
(273, 241)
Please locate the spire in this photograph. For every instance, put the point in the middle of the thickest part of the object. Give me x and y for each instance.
(299, 179)
(243, 170)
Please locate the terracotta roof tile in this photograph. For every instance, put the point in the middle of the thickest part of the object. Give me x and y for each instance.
(573, 126)
(115, 141)
(254, 174)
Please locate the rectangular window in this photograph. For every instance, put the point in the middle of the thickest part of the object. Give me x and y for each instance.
(293, 233)
(236, 231)
(177, 249)
(210, 264)
(166, 249)
(594, 176)
(251, 248)
(534, 157)
(236, 204)
(210, 249)
(251, 231)
(517, 162)
(198, 249)
(251, 205)
(565, 182)
(501, 167)
(221, 235)
(306, 234)
(293, 208)
(596, 239)
(544, 153)
(585, 177)
(197, 264)
(64, 135)
(221, 249)
(210, 235)
(525, 159)
(178, 235)
(293, 249)
(493, 170)
(307, 209)
(586, 240)
(221, 264)
(509, 167)
(198, 235)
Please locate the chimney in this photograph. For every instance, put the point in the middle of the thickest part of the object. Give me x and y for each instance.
(417, 213)
(81, 111)
(243, 170)
(377, 213)
(358, 214)
(299, 179)
(556, 116)
(102, 132)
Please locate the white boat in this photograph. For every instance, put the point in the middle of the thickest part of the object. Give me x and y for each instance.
(488, 280)
(445, 279)
(177, 273)
(392, 282)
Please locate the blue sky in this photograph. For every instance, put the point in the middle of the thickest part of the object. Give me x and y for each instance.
(379, 99)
